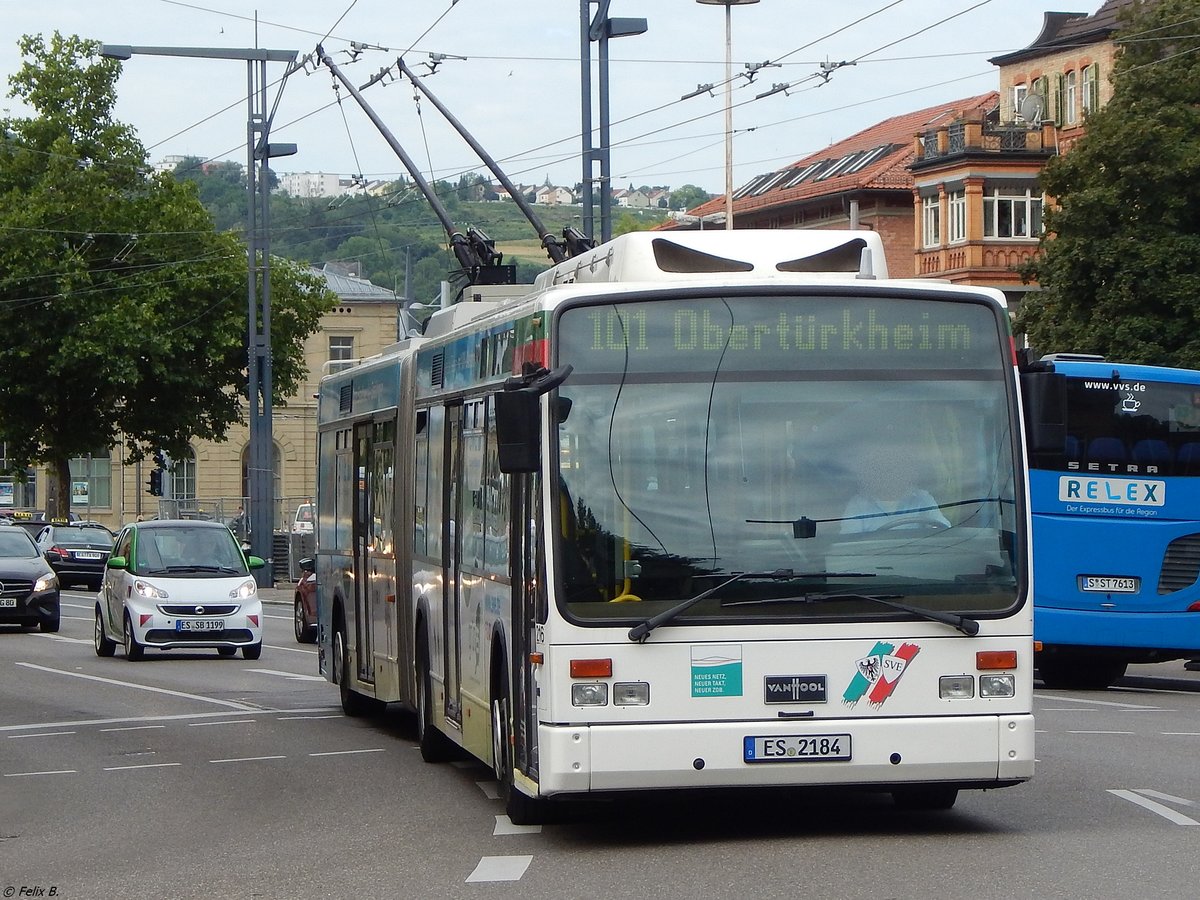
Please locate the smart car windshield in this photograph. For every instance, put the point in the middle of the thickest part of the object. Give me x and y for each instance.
(184, 550)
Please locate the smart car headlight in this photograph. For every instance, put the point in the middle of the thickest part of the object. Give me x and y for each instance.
(245, 590)
(149, 591)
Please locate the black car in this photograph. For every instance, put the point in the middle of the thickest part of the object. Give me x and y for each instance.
(77, 552)
(28, 586)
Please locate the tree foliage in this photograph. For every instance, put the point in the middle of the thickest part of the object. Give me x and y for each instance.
(124, 310)
(1118, 263)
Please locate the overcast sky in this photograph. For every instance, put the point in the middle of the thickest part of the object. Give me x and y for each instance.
(518, 90)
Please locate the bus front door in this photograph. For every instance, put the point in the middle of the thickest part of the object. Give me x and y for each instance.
(451, 563)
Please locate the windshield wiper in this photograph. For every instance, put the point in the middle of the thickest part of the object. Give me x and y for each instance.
(967, 626)
(639, 632)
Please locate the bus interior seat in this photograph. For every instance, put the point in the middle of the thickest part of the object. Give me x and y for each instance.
(1106, 449)
(1071, 447)
(1152, 451)
(1189, 458)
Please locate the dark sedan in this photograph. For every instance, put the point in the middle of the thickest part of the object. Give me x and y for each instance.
(77, 552)
(28, 586)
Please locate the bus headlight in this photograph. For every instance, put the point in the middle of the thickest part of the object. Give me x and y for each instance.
(631, 693)
(589, 694)
(956, 687)
(997, 686)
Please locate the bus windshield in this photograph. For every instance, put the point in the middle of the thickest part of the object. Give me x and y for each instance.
(863, 443)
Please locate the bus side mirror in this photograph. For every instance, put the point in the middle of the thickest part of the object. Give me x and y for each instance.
(1045, 398)
(517, 416)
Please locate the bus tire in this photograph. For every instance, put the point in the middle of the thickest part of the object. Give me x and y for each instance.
(353, 703)
(435, 746)
(521, 808)
(925, 797)
(1079, 674)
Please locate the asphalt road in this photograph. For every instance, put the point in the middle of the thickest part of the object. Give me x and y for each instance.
(186, 775)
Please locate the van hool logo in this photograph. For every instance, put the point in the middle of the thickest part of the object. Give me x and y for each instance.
(879, 672)
(794, 689)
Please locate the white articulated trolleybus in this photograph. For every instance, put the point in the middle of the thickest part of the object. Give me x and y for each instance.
(702, 510)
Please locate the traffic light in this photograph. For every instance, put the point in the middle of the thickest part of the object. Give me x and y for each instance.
(155, 484)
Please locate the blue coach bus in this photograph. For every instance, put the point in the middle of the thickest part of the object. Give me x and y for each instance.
(1114, 477)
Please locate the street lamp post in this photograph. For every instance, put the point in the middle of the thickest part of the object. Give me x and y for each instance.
(728, 4)
(260, 469)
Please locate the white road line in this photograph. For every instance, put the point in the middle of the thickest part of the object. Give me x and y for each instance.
(53, 772)
(78, 606)
(490, 789)
(293, 718)
(291, 649)
(169, 718)
(13, 737)
(1064, 709)
(79, 619)
(1090, 702)
(500, 868)
(142, 687)
(294, 676)
(246, 759)
(1181, 733)
(225, 722)
(280, 618)
(1165, 811)
(136, 727)
(1100, 732)
(1170, 799)
(60, 638)
(347, 752)
(504, 825)
(142, 766)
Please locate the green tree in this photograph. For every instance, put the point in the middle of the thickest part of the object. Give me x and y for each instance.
(124, 309)
(1118, 262)
(688, 197)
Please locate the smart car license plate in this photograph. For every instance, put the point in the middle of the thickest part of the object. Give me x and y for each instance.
(199, 624)
(8, 602)
(796, 748)
(1109, 584)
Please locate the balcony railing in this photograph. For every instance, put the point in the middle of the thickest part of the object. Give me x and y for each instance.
(963, 137)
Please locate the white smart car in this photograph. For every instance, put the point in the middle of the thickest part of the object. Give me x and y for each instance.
(172, 584)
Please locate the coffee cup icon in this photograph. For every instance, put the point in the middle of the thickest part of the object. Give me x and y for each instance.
(1129, 404)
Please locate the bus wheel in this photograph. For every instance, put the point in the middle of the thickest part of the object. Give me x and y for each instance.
(925, 796)
(1079, 674)
(353, 703)
(521, 808)
(435, 746)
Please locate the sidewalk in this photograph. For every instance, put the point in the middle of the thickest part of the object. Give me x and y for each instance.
(283, 593)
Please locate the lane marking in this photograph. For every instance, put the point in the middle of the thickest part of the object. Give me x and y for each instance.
(166, 718)
(246, 759)
(1060, 699)
(142, 766)
(13, 737)
(1064, 709)
(291, 649)
(142, 687)
(280, 618)
(491, 789)
(347, 752)
(1159, 795)
(1165, 811)
(500, 868)
(53, 772)
(504, 825)
(293, 718)
(294, 676)
(79, 606)
(1182, 733)
(62, 639)
(226, 722)
(134, 728)
(1100, 732)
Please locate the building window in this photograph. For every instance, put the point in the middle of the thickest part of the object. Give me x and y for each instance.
(91, 480)
(183, 477)
(1091, 88)
(341, 352)
(956, 216)
(931, 222)
(1018, 97)
(1069, 99)
(1012, 213)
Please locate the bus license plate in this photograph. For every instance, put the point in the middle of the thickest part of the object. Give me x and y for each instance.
(1109, 584)
(199, 624)
(796, 748)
